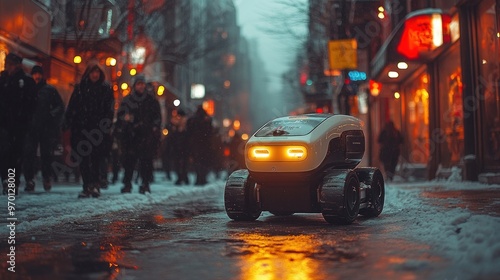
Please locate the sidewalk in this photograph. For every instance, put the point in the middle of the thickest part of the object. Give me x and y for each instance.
(481, 201)
(42, 209)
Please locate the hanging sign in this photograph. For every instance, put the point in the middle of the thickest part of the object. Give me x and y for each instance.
(343, 54)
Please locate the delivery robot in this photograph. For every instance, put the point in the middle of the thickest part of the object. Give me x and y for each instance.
(306, 164)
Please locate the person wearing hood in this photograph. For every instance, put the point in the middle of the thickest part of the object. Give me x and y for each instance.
(44, 131)
(138, 127)
(89, 117)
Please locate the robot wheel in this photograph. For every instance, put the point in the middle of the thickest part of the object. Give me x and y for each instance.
(375, 193)
(241, 197)
(340, 196)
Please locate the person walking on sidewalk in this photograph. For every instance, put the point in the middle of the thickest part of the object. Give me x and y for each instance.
(17, 104)
(89, 117)
(44, 131)
(199, 128)
(390, 140)
(180, 147)
(137, 127)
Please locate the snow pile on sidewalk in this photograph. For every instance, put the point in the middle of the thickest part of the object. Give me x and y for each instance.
(471, 241)
(42, 209)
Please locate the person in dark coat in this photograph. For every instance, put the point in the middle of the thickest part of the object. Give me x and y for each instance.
(390, 140)
(166, 152)
(44, 131)
(237, 153)
(138, 126)
(89, 117)
(200, 128)
(17, 104)
(179, 140)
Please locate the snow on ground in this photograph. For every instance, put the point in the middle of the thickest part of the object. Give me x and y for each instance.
(470, 241)
(61, 204)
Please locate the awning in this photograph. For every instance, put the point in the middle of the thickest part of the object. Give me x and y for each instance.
(416, 40)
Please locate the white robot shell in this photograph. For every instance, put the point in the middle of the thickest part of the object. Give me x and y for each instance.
(312, 141)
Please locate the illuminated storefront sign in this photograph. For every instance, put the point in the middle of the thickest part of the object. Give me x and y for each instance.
(357, 75)
(424, 33)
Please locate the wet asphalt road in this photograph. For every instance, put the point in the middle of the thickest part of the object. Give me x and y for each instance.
(194, 239)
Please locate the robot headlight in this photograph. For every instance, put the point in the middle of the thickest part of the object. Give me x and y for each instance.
(277, 153)
(296, 152)
(261, 153)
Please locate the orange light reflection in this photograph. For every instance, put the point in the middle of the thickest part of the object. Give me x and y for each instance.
(280, 257)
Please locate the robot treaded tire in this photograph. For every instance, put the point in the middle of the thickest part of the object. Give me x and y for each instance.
(240, 197)
(306, 164)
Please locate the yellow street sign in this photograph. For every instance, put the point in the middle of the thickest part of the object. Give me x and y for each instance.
(343, 54)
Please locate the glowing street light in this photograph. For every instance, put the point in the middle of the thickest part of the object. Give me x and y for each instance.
(110, 61)
(77, 59)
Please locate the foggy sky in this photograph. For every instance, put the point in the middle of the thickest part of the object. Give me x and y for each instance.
(258, 19)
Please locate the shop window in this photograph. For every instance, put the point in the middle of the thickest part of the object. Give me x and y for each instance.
(450, 132)
(416, 118)
(489, 80)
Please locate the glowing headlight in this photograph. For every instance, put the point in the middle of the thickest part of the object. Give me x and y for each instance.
(277, 153)
(296, 152)
(261, 153)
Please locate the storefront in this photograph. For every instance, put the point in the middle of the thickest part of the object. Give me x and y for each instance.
(420, 71)
(480, 52)
(449, 94)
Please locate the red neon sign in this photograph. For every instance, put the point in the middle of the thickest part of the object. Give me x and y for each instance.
(424, 33)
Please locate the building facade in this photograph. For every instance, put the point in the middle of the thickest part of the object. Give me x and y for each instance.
(438, 68)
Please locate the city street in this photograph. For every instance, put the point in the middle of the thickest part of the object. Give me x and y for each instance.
(189, 236)
(253, 140)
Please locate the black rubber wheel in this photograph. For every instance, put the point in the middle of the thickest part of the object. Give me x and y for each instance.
(375, 193)
(340, 197)
(240, 197)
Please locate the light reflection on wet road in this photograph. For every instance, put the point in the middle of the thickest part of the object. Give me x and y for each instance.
(177, 242)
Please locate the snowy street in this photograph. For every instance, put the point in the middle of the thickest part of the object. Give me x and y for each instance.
(427, 230)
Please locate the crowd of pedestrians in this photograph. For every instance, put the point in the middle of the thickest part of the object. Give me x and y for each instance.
(93, 139)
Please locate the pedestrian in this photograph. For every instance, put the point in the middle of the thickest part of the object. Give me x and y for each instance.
(44, 131)
(115, 159)
(199, 128)
(89, 117)
(217, 153)
(17, 104)
(166, 152)
(237, 153)
(180, 147)
(138, 126)
(70, 167)
(390, 140)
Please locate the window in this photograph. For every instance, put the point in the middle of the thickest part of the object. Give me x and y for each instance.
(417, 119)
(489, 80)
(451, 129)
(290, 126)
